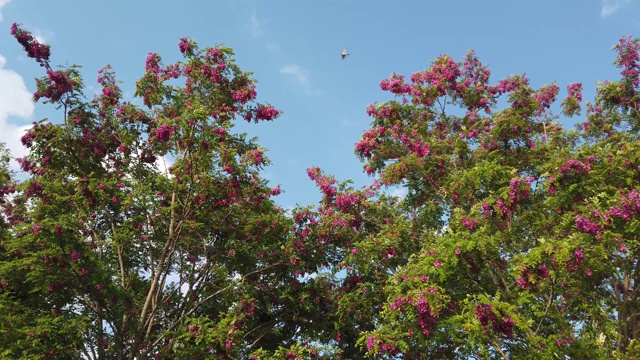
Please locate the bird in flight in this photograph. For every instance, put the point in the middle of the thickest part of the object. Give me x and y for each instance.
(344, 54)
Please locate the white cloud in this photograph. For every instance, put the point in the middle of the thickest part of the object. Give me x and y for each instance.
(15, 100)
(348, 122)
(256, 26)
(41, 35)
(163, 164)
(611, 6)
(2, 3)
(301, 76)
(273, 47)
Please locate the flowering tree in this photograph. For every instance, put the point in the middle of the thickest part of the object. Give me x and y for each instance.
(526, 234)
(517, 238)
(147, 232)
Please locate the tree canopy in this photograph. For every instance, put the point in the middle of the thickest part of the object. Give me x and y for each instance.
(148, 232)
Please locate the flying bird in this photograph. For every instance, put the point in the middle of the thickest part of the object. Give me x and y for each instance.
(344, 53)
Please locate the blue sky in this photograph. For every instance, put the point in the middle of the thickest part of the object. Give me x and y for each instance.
(293, 49)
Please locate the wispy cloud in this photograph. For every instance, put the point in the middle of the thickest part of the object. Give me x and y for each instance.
(301, 76)
(43, 36)
(15, 100)
(348, 122)
(2, 3)
(273, 47)
(256, 26)
(609, 7)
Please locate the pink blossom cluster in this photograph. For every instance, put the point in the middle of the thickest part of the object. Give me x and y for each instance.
(110, 90)
(527, 276)
(545, 97)
(473, 72)
(577, 166)
(629, 59)
(563, 341)
(266, 113)
(59, 84)
(245, 95)
(426, 317)
(383, 347)
(184, 45)
(163, 133)
(31, 45)
(325, 183)
(346, 201)
(29, 136)
(487, 316)
(442, 76)
(75, 256)
(213, 72)
(578, 258)
(255, 156)
(574, 92)
(585, 225)
(520, 189)
(630, 206)
(152, 63)
(511, 83)
(395, 84)
(469, 223)
(367, 143)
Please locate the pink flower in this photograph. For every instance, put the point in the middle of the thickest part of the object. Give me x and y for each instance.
(523, 283)
(470, 224)
(543, 270)
(266, 113)
(583, 224)
(75, 256)
(164, 132)
(184, 45)
(371, 342)
(588, 272)
(34, 49)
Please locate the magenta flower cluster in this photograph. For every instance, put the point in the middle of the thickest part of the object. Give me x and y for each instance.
(184, 45)
(585, 225)
(488, 317)
(40, 52)
(578, 167)
(629, 59)
(545, 97)
(325, 183)
(383, 347)
(266, 113)
(59, 84)
(163, 133)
